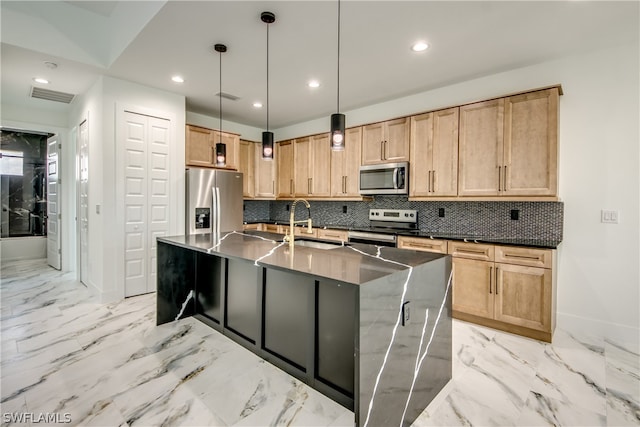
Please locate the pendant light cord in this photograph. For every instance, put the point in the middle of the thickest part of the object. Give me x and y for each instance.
(338, 109)
(267, 77)
(220, 94)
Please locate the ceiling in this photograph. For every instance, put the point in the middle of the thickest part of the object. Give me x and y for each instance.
(149, 41)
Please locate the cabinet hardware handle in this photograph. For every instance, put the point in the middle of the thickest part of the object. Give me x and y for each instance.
(420, 245)
(490, 278)
(499, 177)
(381, 150)
(497, 280)
(273, 187)
(433, 182)
(532, 257)
(291, 186)
(309, 185)
(428, 181)
(471, 251)
(504, 179)
(344, 184)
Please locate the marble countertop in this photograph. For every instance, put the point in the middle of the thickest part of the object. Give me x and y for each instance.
(354, 263)
(478, 238)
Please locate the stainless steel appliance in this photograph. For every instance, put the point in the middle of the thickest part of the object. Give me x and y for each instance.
(385, 225)
(214, 201)
(387, 178)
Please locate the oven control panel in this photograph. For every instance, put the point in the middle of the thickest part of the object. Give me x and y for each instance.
(394, 215)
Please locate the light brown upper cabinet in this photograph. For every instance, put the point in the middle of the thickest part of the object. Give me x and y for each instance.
(284, 157)
(200, 145)
(312, 166)
(265, 174)
(345, 166)
(386, 142)
(246, 166)
(434, 154)
(531, 144)
(509, 146)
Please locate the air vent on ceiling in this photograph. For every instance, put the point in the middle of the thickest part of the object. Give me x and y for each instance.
(228, 96)
(51, 95)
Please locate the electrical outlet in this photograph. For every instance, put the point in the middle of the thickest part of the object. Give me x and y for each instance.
(515, 214)
(287, 207)
(344, 209)
(609, 217)
(441, 212)
(406, 313)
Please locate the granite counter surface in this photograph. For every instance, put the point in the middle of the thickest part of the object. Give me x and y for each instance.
(353, 263)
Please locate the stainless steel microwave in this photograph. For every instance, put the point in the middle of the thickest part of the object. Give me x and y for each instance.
(387, 178)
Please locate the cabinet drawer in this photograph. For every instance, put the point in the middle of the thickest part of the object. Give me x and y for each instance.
(302, 231)
(256, 226)
(478, 251)
(273, 228)
(328, 234)
(524, 256)
(422, 244)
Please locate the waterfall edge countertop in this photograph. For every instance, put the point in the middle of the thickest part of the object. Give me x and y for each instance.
(353, 263)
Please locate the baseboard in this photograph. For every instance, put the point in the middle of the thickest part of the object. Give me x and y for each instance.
(624, 335)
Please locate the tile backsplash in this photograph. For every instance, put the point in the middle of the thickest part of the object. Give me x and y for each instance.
(539, 220)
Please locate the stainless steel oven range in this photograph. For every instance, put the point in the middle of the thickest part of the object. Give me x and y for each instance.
(384, 225)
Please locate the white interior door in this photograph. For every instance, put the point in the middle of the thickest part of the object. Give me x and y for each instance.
(53, 203)
(135, 204)
(83, 199)
(158, 210)
(146, 198)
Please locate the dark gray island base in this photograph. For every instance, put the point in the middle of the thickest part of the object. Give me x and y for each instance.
(370, 327)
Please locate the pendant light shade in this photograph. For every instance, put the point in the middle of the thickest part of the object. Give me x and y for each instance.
(337, 131)
(221, 148)
(267, 145)
(267, 137)
(338, 120)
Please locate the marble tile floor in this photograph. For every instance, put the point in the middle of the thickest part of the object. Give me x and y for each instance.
(92, 364)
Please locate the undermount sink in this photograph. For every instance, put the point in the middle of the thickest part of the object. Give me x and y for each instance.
(317, 245)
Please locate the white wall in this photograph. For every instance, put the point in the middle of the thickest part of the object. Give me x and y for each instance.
(599, 279)
(246, 132)
(99, 104)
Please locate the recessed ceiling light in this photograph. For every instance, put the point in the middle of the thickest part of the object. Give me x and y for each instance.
(177, 79)
(419, 46)
(41, 80)
(257, 104)
(313, 83)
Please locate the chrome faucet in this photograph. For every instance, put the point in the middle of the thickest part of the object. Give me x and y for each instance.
(289, 237)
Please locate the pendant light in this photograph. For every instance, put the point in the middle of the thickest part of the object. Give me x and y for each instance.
(267, 137)
(337, 119)
(221, 148)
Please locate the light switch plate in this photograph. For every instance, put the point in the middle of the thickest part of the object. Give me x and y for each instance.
(609, 217)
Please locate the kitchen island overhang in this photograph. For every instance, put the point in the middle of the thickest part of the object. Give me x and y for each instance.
(368, 326)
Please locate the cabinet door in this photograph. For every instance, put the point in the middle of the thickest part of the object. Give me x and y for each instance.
(481, 148)
(473, 287)
(232, 143)
(265, 174)
(420, 159)
(284, 154)
(523, 296)
(345, 165)
(241, 299)
(396, 143)
(531, 144)
(199, 149)
(287, 330)
(320, 166)
(372, 143)
(301, 172)
(444, 153)
(245, 165)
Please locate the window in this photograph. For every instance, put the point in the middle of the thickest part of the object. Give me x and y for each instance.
(23, 183)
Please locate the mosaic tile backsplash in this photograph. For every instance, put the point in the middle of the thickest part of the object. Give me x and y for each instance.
(537, 220)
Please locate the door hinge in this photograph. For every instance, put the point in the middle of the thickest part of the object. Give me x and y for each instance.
(59, 251)
(59, 216)
(59, 146)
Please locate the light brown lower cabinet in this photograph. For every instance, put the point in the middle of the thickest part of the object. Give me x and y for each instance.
(333, 234)
(423, 244)
(504, 287)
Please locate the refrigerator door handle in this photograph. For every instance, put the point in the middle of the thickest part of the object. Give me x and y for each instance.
(215, 210)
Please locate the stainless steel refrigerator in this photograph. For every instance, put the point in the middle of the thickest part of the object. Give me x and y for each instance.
(214, 201)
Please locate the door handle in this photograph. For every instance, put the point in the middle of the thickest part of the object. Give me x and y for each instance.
(497, 274)
(490, 278)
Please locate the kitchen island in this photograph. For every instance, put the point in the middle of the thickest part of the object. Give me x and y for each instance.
(370, 327)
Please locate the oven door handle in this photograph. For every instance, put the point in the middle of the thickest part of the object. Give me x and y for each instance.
(391, 238)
